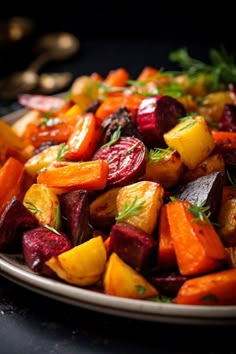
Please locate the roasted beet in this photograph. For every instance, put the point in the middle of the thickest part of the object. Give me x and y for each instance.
(134, 246)
(74, 207)
(206, 189)
(93, 106)
(156, 116)
(120, 118)
(126, 160)
(228, 118)
(15, 219)
(41, 103)
(39, 245)
(167, 283)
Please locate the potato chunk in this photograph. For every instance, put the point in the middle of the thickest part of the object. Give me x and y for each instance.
(192, 139)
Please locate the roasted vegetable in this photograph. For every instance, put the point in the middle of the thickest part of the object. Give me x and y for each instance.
(205, 190)
(156, 116)
(82, 265)
(122, 280)
(75, 216)
(126, 159)
(139, 204)
(40, 244)
(227, 222)
(15, 219)
(184, 137)
(134, 246)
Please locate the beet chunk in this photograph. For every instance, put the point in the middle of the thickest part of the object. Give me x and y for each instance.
(74, 207)
(157, 115)
(15, 219)
(39, 245)
(228, 118)
(134, 246)
(120, 118)
(167, 283)
(126, 159)
(206, 189)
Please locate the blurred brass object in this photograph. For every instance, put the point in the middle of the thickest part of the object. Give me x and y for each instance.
(15, 29)
(51, 47)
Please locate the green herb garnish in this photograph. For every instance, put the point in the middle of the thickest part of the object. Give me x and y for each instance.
(161, 298)
(157, 154)
(114, 137)
(57, 218)
(52, 229)
(32, 207)
(50, 122)
(209, 297)
(201, 211)
(140, 289)
(128, 210)
(62, 152)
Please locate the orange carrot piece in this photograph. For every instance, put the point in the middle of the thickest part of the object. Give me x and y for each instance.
(11, 176)
(83, 141)
(91, 175)
(212, 289)
(198, 247)
(166, 250)
(224, 140)
(113, 103)
(148, 72)
(117, 77)
(96, 77)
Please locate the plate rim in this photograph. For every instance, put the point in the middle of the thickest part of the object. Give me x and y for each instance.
(123, 307)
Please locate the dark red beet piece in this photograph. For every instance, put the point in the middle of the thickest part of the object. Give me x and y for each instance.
(41, 103)
(74, 207)
(157, 115)
(39, 245)
(126, 160)
(120, 118)
(167, 283)
(228, 119)
(15, 219)
(134, 246)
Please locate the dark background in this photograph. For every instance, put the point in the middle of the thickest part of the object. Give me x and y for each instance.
(126, 33)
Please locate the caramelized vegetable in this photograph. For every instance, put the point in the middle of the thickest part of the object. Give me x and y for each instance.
(206, 252)
(122, 280)
(211, 289)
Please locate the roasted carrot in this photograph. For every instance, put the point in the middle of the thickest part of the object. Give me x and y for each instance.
(212, 289)
(148, 72)
(84, 139)
(166, 251)
(198, 247)
(229, 192)
(96, 77)
(91, 175)
(224, 140)
(11, 176)
(113, 103)
(117, 78)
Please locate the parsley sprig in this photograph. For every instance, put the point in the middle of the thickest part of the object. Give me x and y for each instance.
(201, 211)
(130, 209)
(221, 68)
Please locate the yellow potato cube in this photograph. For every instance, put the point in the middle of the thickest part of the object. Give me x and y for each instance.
(192, 139)
(144, 199)
(44, 204)
(123, 281)
(82, 265)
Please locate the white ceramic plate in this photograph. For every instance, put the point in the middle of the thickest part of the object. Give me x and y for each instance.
(12, 267)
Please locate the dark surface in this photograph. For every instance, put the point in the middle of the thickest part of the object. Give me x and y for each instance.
(31, 323)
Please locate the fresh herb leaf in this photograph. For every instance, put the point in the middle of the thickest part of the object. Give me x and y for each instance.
(128, 210)
(201, 211)
(140, 289)
(161, 298)
(57, 218)
(189, 125)
(52, 229)
(32, 207)
(50, 122)
(157, 154)
(114, 137)
(62, 152)
(209, 297)
(188, 117)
